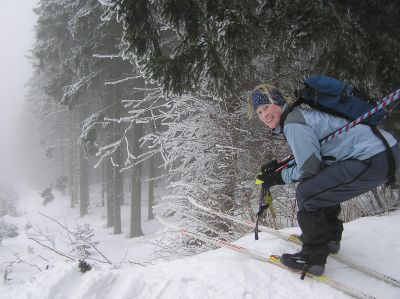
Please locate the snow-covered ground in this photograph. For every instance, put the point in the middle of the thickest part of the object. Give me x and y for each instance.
(28, 258)
(221, 273)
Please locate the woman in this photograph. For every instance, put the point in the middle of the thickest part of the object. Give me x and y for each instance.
(329, 174)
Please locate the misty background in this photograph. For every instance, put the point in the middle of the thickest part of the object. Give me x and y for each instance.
(16, 28)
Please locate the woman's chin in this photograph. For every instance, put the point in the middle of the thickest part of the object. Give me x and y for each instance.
(272, 126)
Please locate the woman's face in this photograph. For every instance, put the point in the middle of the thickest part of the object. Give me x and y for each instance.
(269, 114)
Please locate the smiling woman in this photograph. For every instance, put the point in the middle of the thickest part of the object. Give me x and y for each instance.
(267, 102)
(327, 174)
(16, 30)
(269, 114)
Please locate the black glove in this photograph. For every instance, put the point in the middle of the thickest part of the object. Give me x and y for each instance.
(271, 166)
(271, 179)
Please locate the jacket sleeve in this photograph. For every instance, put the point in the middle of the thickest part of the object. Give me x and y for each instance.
(306, 151)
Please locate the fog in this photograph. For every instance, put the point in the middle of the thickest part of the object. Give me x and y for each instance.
(16, 30)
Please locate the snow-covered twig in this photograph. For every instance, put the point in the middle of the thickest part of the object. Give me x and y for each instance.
(54, 250)
(84, 241)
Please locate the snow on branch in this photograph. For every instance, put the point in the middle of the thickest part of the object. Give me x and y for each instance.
(70, 90)
(110, 56)
(122, 80)
(79, 241)
(88, 136)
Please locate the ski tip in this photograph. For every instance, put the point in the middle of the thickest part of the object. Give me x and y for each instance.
(274, 256)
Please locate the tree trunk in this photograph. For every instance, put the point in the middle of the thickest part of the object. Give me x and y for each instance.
(118, 192)
(103, 183)
(110, 193)
(83, 183)
(72, 150)
(83, 172)
(118, 176)
(151, 190)
(136, 196)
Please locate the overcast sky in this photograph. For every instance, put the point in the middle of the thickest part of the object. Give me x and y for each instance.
(16, 34)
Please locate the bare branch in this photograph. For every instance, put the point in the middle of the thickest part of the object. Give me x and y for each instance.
(54, 250)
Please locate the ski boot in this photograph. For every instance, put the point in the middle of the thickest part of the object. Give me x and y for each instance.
(301, 262)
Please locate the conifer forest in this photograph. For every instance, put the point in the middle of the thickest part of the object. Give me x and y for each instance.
(152, 94)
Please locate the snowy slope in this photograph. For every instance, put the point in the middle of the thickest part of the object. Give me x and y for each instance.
(224, 273)
(29, 258)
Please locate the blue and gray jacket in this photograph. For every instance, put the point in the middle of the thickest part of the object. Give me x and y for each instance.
(303, 128)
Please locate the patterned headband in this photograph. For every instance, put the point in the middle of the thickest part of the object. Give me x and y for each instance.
(259, 98)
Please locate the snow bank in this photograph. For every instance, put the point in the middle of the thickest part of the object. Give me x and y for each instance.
(227, 274)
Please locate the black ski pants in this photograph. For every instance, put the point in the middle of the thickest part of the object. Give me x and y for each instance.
(319, 199)
(344, 180)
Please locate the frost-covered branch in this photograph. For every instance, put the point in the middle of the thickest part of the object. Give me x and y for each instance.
(79, 241)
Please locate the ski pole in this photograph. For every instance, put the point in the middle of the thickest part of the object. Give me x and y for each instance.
(264, 203)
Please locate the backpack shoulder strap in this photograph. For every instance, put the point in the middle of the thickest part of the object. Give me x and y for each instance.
(287, 112)
(390, 156)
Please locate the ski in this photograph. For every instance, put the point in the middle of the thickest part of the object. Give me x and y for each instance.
(295, 239)
(271, 259)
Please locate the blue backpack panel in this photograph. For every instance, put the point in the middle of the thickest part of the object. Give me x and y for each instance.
(338, 98)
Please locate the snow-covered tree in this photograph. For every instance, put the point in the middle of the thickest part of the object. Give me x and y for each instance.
(218, 49)
(88, 75)
(182, 70)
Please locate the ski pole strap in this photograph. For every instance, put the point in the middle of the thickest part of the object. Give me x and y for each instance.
(264, 203)
(271, 207)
